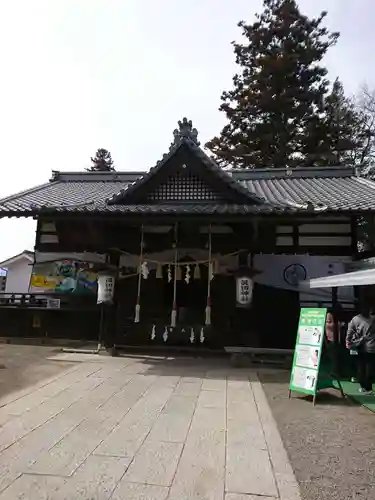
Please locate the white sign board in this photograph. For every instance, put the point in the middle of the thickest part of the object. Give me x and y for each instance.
(53, 303)
(244, 291)
(106, 286)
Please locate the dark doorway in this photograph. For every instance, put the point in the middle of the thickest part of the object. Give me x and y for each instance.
(191, 298)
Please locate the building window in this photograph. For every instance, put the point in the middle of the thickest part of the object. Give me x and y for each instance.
(3, 278)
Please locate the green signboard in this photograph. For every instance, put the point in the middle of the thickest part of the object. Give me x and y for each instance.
(308, 351)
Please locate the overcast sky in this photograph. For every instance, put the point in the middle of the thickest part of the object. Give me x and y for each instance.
(82, 74)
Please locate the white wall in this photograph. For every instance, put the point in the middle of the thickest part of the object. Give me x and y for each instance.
(18, 277)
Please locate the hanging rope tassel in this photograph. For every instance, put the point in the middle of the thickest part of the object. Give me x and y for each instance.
(192, 336)
(209, 274)
(174, 306)
(137, 313)
(197, 272)
(208, 312)
(138, 301)
(174, 315)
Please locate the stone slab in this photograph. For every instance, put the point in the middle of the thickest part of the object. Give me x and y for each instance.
(170, 427)
(284, 475)
(19, 427)
(30, 487)
(155, 463)
(235, 496)
(212, 384)
(168, 380)
(250, 435)
(184, 405)
(129, 434)
(156, 431)
(212, 399)
(200, 474)
(188, 388)
(124, 440)
(95, 479)
(50, 390)
(201, 471)
(20, 393)
(134, 491)
(64, 458)
(208, 419)
(249, 472)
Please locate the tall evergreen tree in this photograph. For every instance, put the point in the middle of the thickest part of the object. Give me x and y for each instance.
(277, 97)
(335, 139)
(102, 161)
(364, 153)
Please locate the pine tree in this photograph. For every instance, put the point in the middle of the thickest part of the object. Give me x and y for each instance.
(334, 138)
(364, 154)
(102, 161)
(277, 97)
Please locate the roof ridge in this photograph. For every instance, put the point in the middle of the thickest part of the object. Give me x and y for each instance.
(85, 176)
(293, 173)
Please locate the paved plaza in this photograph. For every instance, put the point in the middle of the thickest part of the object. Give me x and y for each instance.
(142, 428)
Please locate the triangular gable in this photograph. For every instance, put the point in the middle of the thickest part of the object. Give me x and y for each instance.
(185, 175)
(25, 255)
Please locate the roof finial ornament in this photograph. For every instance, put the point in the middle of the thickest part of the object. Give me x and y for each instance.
(288, 170)
(185, 131)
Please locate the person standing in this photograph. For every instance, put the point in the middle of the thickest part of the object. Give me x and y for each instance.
(333, 336)
(360, 339)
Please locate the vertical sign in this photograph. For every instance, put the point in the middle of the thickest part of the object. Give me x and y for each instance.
(106, 286)
(308, 351)
(244, 291)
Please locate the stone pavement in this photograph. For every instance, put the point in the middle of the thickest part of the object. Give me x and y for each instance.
(143, 428)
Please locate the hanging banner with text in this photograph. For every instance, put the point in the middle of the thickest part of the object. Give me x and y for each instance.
(308, 350)
(106, 285)
(244, 291)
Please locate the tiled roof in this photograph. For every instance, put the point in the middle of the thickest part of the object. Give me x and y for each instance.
(299, 190)
(69, 190)
(333, 189)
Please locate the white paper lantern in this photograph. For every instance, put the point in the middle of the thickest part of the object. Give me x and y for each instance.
(106, 287)
(244, 291)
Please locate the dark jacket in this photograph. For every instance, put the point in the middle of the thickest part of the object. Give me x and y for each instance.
(361, 334)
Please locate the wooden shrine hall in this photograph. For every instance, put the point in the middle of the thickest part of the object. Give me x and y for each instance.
(189, 253)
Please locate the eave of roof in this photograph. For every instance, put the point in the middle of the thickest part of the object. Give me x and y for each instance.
(26, 254)
(304, 190)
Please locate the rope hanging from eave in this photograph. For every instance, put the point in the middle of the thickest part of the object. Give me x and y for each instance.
(209, 278)
(174, 305)
(138, 302)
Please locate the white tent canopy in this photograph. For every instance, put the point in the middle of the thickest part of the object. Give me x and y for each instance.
(355, 278)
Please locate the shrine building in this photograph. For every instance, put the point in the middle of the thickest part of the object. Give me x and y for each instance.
(190, 254)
